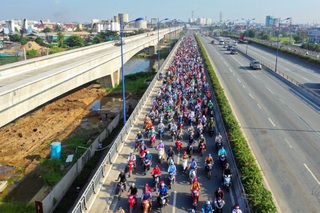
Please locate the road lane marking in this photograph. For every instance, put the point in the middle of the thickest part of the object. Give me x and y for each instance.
(270, 90)
(306, 79)
(251, 96)
(259, 106)
(230, 69)
(288, 143)
(271, 122)
(239, 80)
(178, 161)
(311, 173)
(243, 86)
(174, 201)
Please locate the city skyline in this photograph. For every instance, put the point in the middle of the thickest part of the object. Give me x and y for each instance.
(84, 11)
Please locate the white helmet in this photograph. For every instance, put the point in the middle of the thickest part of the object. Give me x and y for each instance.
(208, 202)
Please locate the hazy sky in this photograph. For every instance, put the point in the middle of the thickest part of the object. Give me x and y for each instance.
(301, 11)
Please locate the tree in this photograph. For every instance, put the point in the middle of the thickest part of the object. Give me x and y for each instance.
(75, 41)
(298, 38)
(47, 30)
(60, 39)
(15, 38)
(23, 41)
(39, 41)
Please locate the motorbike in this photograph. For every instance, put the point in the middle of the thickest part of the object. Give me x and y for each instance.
(173, 135)
(146, 206)
(180, 127)
(202, 148)
(195, 198)
(209, 170)
(205, 110)
(142, 155)
(227, 182)
(169, 161)
(161, 131)
(178, 145)
(138, 144)
(156, 181)
(222, 160)
(147, 165)
(219, 204)
(192, 175)
(171, 179)
(162, 203)
(130, 167)
(120, 187)
(132, 202)
(199, 131)
(147, 132)
(152, 140)
(184, 165)
(190, 149)
(185, 116)
(160, 155)
(211, 112)
(211, 131)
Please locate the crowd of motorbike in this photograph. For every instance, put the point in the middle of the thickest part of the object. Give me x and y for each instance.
(181, 113)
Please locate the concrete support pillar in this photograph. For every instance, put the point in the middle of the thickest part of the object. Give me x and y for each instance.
(152, 50)
(110, 81)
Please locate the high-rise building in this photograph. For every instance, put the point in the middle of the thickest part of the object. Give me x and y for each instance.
(269, 21)
(125, 17)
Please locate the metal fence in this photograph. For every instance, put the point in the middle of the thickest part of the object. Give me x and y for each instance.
(81, 205)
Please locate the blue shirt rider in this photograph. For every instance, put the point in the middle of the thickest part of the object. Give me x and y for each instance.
(163, 190)
(222, 151)
(193, 164)
(172, 168)
(207, 208)
(148, 156)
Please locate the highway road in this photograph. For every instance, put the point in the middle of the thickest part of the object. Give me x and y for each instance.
(180, 196)
(303, 72)
(282, 129)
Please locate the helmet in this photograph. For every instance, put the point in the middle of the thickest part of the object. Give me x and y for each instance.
(172, 163)
(142, 142)
(148, 152)
(162, 184)
(185, 152)
(133, 184)
(209, 155)
(193, 159)
(237, 206)
(131, 153)
(170, 147)
(160, 141)
(156, 166)
(119, 208)
(208, 202)
(227, 164)
(139, 132)
(195, 179)
(201, 136)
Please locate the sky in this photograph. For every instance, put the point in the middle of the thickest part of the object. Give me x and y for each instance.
(83, 11)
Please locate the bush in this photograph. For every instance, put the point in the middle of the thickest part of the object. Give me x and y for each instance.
(260, 199)
(32, 52)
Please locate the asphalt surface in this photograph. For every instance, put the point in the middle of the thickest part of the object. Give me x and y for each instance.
(282, 128)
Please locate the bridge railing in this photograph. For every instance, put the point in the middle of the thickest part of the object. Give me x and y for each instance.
(109, 159)
(27, 65)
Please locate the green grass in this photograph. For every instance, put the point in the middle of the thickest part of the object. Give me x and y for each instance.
(12, 207)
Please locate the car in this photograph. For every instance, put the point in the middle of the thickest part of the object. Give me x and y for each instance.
(212, 42)
(221, 42)
(229, 47)
(255, 65)
(225, 45)
(234, 51)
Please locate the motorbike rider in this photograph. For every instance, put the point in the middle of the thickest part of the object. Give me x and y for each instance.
(152, 132)
(219, 203)
(163, 191)
(210, 104)
(202, 141)
(218, 138)
(133, 158)
(148, 156)
(122, 178)
(161, 126)
(143, 146)
(207, 208)
(148, 188)
(204, 119)
(146, 195)
(174, 127)
(156, 171)
(170, 153)
(226, 171)
(195, 185)
(236, 209)
(208, 160)
(219, 193)
(211, 123)
(193, 164)
(222, 151)
(185, 155)
(139, 137)
(172, 168)
(133, 190)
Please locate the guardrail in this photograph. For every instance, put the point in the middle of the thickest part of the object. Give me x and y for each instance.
(81, 205)
(289, 79)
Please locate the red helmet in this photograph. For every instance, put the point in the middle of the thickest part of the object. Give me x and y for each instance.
(162, 182)
(185, 152)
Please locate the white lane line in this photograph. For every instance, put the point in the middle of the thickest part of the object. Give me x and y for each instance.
(288, 143)
(178, 161)
(271, 122)
(311, 173)
(270, 90)
(239, 80)
(243, 86)
(259, 106)
(306, 79)
(287, 69)
(251, 96)
(174, 201)
(230, 69)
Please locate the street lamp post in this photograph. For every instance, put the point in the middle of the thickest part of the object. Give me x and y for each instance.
(278, 44)
(159, 41)
(122, 25)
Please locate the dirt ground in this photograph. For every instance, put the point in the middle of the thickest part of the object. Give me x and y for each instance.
(25, 141)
